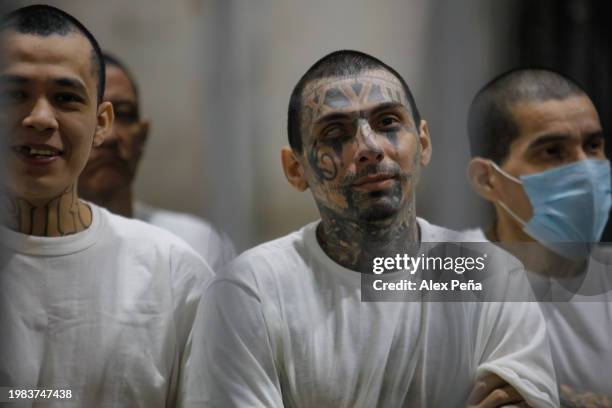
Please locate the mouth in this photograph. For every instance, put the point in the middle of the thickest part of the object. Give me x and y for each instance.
(374, 182)
(38, 154)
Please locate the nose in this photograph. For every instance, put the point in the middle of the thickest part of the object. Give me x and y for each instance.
(369, 150)
(581, 154)
(41, 117)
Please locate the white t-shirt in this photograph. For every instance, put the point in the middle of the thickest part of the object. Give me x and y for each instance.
(284, 325)
(580, 330)
(105, 312)
(215, 247)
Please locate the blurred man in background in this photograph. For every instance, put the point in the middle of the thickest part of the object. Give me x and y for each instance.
(538, 156)
(93, 304)
(285, 325)
(109, 175)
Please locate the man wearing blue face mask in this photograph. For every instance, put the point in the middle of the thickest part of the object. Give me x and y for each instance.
(538, 157)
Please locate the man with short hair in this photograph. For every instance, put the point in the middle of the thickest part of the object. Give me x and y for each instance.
(90, 303)
(539, 158)
(285, 323)
(109, 175)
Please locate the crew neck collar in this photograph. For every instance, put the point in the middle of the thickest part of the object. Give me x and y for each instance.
(54, 246)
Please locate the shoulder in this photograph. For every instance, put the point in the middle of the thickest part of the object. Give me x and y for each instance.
(504, 272)
(435, 233)
(152, 245)
(162, 217)
(474, 235)
(278, 254)
(133, 229)
(270, 265)
(173, 221)
(203, 237)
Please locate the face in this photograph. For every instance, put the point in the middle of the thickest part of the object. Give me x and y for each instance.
(361, 148)
(551, 134)
(49, 114)
(113, 164)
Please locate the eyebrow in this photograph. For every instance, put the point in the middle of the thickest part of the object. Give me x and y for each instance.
(65, 82)
(11, 78)
(546, 139)
(333, 116)
(595, 135)
(71, 83)
(387, 106)
(552, 138)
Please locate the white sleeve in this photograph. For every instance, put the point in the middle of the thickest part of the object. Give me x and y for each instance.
(512, 343)
(190, 274)
(233, 363)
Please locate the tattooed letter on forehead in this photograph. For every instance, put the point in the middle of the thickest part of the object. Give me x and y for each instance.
(339, 95)
(325, 96)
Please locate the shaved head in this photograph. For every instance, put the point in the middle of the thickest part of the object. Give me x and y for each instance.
(491, 125)
(338, 64)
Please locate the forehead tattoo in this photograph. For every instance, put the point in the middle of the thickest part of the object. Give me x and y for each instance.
(328, 95)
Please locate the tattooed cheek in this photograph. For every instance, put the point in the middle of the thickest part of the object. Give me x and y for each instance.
(330, 198)
(327, 166)
(337, 144)
(392, 137)
(324, 163)
(337, 201)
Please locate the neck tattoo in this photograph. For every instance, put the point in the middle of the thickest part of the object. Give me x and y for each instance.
(358, 226)
(62, 215)
(355, 244)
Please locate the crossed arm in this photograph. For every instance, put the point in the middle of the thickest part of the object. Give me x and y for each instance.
(491, 391)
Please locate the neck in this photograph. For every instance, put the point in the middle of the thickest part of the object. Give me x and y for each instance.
(355, 244)
(507, 229)
(61, 215)
(118, 201)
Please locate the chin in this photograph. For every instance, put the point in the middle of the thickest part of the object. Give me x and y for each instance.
(37, 191)
(379, 212)
(380, 205)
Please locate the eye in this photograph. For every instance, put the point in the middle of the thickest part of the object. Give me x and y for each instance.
(126, 113)
(388, 122)
(126, 118)
(552, 152)
(594, 145)
(68, 97)
(333, 132)
(13, 96)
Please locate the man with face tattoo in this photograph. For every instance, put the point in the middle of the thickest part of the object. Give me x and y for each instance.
(285, 324)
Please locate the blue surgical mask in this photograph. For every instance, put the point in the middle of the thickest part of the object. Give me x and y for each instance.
(570, 205)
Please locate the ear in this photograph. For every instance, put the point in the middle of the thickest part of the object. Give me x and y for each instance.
(425, 142)
(482, 178)
(293, 169)
(106, 116)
